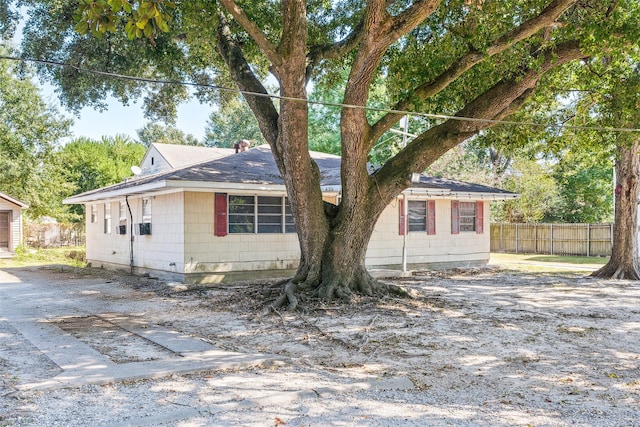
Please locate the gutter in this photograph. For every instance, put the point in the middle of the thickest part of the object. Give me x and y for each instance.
(448, 194)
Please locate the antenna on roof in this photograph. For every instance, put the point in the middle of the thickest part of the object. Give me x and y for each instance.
(136, 170)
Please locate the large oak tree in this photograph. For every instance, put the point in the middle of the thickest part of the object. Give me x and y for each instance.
(471, 59)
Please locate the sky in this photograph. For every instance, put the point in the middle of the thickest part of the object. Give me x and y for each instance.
(118, 119)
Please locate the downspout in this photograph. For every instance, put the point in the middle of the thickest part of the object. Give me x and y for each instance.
(126, 199)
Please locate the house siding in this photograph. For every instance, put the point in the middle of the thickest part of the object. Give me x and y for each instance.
(207, 253)
(441, 248)
(183, 244)
(160, 253)
(15, 223)
(154, 162)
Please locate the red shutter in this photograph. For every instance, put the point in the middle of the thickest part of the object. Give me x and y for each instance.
(455, 217)
(402, 219)
(431, 217)
(220, 220)
(479, 217)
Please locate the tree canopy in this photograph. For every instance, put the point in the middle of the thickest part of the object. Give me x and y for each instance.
(461, 65)
(29, 132)
(85, 164)
(165, 134)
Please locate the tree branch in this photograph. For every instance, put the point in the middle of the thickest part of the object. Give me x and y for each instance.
(410, 18)
(254, 31)
(318, 53)
(496, 103)
(545, 19)
(293, 43)
(241, 73)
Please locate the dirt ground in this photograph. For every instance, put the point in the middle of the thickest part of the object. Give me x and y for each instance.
(480, 347)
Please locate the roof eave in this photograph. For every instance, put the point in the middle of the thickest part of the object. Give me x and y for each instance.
(164, 185)
(13, 200)
(87, 198)
(448, 194)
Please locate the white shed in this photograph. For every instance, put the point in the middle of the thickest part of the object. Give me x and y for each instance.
(10, 223)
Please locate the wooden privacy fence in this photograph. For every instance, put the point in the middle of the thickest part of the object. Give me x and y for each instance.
(51, 234)
(553, 239)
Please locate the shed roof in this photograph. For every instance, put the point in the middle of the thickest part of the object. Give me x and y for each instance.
(13, 200)
(256, 168)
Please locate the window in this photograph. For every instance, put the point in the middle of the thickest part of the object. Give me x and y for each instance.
(251, 214)
(107, 218)
(269, 214)
(467, 217)
(422, 216)
(123, 213)
(417, 216)
(94, 214)
(122, 216)
(289, 224)
(241, 214)
(146, 210)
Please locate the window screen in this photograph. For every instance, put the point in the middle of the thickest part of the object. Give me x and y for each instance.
(241, 214)
(467, 216)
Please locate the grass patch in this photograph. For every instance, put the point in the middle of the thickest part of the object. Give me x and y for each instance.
(570, 259)
(73, 256)
(546, 263)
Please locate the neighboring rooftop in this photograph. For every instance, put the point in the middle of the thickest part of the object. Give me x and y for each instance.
(13, 200)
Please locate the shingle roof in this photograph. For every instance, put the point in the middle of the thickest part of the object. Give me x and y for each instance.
(456, 186)
(257, 166)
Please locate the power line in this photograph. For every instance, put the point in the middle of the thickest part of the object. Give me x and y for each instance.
(323, 103)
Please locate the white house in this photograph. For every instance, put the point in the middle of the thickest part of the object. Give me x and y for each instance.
(228, 218)
(10, 223)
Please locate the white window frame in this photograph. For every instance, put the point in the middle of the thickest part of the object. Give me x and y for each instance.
(123, 213)
(417, 222)
(93, 212)
(107, 218)
(258, 215)
(467, 219)
(146, 210)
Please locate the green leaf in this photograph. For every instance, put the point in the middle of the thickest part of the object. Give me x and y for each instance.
(148, 31)
(162, 25)
(116, 5)
(82, 27)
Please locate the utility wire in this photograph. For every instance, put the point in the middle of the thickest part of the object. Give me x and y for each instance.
(323, 103)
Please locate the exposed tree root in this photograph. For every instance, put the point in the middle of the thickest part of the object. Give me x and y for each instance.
(333, 288)
(288, 295)
(616, 271)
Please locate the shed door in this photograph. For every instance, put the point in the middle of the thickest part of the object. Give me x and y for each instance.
(4, 231)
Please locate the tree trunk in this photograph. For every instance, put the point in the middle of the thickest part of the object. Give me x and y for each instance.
(338, 271)
(333, 241)
(623, 263)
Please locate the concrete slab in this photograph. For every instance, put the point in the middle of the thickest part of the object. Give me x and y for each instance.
(60, 347)
(33, 312)
(99, 374)
(171, 340)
